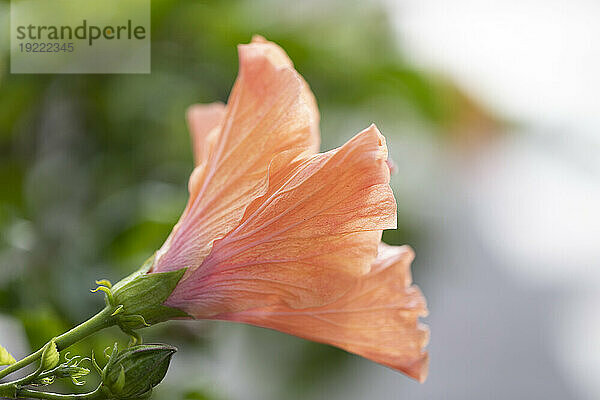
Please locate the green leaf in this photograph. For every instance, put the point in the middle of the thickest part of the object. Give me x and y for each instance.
(50, 356)
(5, 357)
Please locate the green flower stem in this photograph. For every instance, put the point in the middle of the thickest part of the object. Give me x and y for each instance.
(19, 382)
(34, 394)
(102, 320)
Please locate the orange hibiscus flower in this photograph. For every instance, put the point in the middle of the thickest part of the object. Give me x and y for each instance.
(279, 236)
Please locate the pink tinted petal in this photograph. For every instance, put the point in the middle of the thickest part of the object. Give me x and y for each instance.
(303, 243)
(271, 113)
(377, 318)
(204, 122)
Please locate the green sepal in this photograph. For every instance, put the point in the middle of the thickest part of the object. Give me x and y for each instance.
(142, 295)
(5, 357)
(119, 384)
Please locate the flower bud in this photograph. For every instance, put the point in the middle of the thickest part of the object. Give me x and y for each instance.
(133, 372)
(75, 372)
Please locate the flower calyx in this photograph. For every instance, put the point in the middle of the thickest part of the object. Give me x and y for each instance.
(137, 300)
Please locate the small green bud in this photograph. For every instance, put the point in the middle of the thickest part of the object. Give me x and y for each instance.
(69, 369)
(134, 371)
(48, 380)
(50, 356)
(75, 372)
(5, 357)
(138, 299)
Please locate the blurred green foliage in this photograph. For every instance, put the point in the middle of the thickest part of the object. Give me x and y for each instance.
(93, 168)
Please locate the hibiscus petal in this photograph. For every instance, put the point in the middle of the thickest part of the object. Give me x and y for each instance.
(377, 319)
(303, 243)
(271, 112)
(204, 122)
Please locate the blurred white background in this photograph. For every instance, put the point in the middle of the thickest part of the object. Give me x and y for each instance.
(529, 204)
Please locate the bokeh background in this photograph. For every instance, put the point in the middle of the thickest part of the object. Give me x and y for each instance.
(491, 113)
